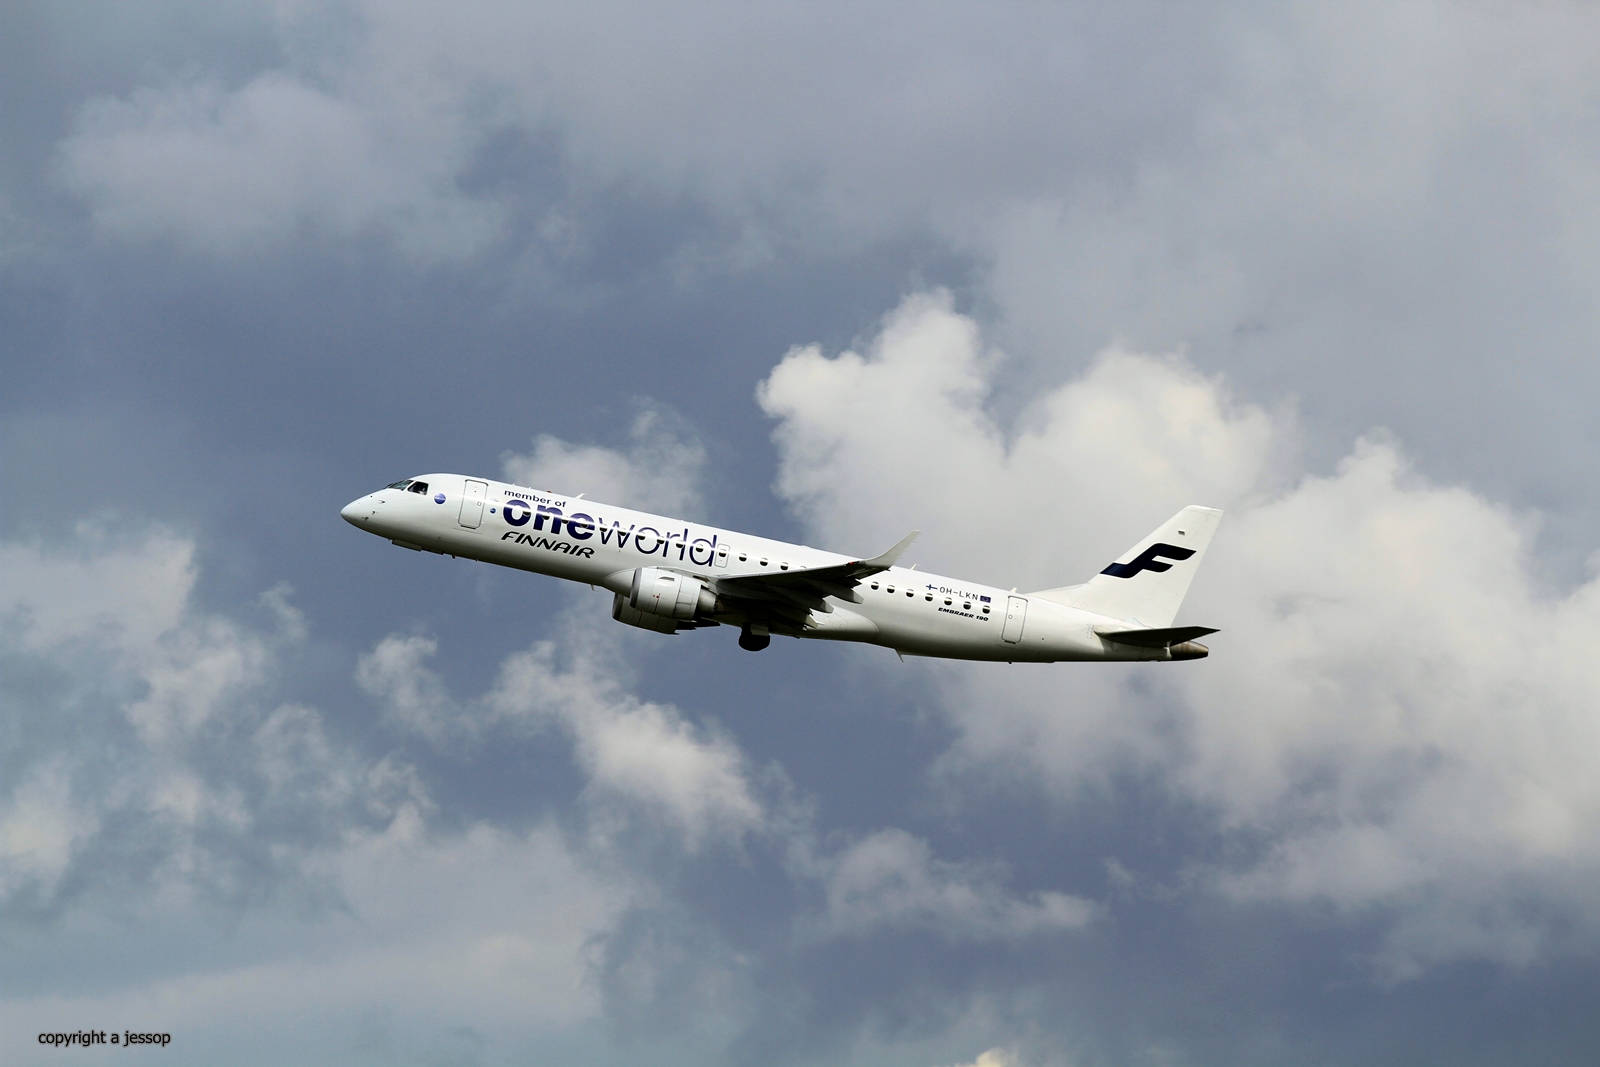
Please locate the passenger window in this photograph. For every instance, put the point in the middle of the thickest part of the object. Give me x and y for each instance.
(966, 607)
(743, 557)
(890, 589)
(783, 566)
(874, 585)
(911, 593)
(986, 611)
(946, 601)
(929, 598)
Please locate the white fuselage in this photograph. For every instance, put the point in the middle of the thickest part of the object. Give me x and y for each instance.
(908, 610)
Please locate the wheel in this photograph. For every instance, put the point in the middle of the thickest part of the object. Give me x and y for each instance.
(752, 642)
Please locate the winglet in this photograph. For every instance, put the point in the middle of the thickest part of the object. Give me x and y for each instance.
(885, 561)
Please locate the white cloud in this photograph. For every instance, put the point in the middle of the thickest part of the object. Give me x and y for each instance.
(1396, 706)
(994, 1057)
(291, 620)
(644, 760)
(641, 759)
(903, 430)
(202, 666)
(891, 881)
(411, 695)
(661, 470)
(106, 642)
(644, 753)
(89, 590)
(40, 826)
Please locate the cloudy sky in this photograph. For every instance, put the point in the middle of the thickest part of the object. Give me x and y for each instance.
(1026, 277)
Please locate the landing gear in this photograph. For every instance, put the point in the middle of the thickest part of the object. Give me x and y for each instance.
(751, 641)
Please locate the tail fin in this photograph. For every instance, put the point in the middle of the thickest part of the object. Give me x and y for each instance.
(1149, 583)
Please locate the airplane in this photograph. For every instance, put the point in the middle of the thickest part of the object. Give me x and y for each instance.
(669, 575)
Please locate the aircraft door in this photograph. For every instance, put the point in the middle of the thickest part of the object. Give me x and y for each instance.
(1016, 615)
(472, 503)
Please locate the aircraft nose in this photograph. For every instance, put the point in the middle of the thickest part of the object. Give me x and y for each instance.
(354, 511)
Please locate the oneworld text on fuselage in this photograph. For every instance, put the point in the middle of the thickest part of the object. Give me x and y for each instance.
(580, 526)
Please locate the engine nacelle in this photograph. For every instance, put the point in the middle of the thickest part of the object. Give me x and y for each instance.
(669, 595)
(622, 611)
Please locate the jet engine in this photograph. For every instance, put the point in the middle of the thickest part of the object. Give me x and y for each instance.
(669, 595)
(622, 611)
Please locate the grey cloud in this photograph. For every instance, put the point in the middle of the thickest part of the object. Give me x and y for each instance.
(397, 109)
(485, 929)
(284, 872)
(270, 163)
(348, 240)
(1297, 198)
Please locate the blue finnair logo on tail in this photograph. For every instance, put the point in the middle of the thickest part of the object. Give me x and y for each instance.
(1151, 559)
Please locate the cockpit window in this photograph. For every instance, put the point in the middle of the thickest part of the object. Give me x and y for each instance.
(418, 487)
(401, 484)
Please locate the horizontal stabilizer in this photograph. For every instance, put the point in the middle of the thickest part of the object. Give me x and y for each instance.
(1170, 635)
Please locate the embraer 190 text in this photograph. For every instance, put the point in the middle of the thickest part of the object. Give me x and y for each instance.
(669, 575)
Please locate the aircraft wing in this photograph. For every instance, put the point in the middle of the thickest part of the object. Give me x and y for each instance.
(794, 593)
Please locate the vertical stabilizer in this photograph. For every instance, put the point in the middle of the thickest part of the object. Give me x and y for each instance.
(1149, 581)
